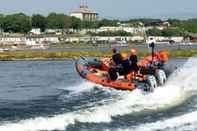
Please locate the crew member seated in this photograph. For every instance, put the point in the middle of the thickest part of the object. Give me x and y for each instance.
(133, 61)
(117, 60)
(116, 69)
(122, 69)
(125, 64)
(116, 57)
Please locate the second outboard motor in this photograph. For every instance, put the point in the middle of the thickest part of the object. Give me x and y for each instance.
(113, 74)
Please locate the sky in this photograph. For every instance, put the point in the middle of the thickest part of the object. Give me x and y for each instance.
(112, 9)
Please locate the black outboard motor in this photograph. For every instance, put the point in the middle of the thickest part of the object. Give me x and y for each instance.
(113, 74)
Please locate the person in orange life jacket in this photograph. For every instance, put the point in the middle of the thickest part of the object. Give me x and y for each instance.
(133, 61)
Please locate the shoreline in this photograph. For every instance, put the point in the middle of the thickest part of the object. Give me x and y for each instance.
(64, 59)
(73, 55)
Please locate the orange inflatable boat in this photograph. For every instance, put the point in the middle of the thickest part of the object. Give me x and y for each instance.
(151, 72)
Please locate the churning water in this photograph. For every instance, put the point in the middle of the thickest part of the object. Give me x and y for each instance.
(51, 96)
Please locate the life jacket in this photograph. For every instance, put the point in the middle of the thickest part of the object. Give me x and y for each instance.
(117, 58)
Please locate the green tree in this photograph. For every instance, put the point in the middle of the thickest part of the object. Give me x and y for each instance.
(169, 32)
(1, 21)
(17, 23)
(67, 22)
(190, 25)
(58, 21)
(106, 22)
(110, 33)
(145, 21)
(154, 32)
(39, 21)
(187, 25)
(174, 22)
(75, 23)
(90, 24)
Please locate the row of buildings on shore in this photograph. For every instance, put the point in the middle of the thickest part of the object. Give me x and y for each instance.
(23, 40)
(121, 27)
(122, 39)
(132, 30)
(17, 40)
(37, 37)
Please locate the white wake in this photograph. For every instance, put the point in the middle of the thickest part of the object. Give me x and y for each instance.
(185, 80)
(179, 87)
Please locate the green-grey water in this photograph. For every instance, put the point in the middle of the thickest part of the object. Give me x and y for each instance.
(50, 95)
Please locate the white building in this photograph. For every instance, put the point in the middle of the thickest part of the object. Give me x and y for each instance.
(104, 39)
(27, 40)
(121, 28)
(162, 39)
(54, 31)
(83, 13)
(38, 40)
(36, 31)
(12, 40)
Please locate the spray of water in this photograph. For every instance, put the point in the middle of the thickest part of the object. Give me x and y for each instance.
(78, 89)
(183, 122)
(184, 81)
(174, 92)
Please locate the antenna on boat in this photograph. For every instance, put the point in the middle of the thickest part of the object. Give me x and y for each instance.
(151, 44)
